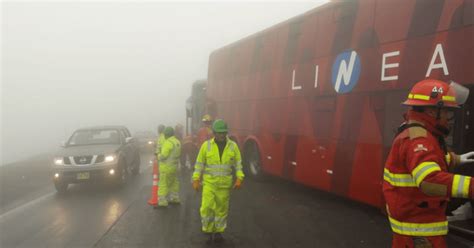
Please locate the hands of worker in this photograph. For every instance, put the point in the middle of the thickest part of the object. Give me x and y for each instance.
(237, 184)
(466, 158)
(196, 185)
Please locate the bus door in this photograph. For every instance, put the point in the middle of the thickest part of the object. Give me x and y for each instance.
(461, 140)
(464, 129)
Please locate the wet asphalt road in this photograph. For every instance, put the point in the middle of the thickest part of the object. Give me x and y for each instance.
(77, 219)
(272, 213)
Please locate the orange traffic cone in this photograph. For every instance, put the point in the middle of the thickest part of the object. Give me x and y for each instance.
(154, 188)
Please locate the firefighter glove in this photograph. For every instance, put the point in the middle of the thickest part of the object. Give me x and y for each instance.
(238, 184)
(196, 185)
(466, 158)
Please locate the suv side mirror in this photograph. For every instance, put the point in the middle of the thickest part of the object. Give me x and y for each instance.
(128, 140)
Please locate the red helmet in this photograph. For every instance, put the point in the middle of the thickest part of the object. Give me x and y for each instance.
(436, 93)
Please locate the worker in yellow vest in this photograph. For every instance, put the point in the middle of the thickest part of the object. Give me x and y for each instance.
(160, 139)
(168, 158)
(217, 157)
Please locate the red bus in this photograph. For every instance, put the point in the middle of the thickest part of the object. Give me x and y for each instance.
(316, 99)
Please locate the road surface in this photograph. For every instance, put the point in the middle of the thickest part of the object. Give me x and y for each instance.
(272, 213)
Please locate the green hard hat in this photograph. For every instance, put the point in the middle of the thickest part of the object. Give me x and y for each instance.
(169, 131)
(219, 126)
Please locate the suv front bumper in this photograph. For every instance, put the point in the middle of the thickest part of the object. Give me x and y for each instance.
(84, 174)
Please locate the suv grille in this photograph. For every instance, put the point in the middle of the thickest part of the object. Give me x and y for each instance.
(67, 160)
(83, 159)
(100, 159)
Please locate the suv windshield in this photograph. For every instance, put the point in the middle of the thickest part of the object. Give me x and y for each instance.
(94, 137)
(144, 135)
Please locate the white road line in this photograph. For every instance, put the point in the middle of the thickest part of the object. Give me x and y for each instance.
(25, 206)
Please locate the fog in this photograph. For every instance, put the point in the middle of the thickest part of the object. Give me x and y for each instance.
(67, 65)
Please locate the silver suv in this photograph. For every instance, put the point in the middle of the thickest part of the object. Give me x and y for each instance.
(104, 153)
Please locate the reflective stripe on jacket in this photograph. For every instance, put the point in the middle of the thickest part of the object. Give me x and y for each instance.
(159, 143)
(170, 152)
(215, 169)
(417, 161)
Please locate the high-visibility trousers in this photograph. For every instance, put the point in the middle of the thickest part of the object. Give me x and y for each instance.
(168, 190)
(214, 208)
(403, 241)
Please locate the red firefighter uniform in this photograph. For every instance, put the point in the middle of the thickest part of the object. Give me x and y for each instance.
(417, 184)
(205, 132)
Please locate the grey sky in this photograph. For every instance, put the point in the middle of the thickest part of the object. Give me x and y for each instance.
(73, 64)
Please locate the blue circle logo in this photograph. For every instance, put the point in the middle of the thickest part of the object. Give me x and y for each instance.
(346, 71)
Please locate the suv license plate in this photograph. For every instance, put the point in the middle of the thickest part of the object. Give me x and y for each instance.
(83, 175)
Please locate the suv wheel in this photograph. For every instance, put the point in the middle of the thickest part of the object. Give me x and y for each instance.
(122, 175)
(136, 165)
(61, 187)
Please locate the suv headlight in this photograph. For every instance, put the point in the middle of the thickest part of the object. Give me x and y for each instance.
(110, 158)
(58, 161)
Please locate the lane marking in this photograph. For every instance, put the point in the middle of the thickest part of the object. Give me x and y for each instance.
(25, 206)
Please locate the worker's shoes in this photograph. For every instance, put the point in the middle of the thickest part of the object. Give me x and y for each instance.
(214, 238)
(161, 205)
(176, 201)
(218, 238)
(210, 239)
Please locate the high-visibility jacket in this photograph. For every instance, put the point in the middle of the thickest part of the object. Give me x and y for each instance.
(168, 163)
(159, 143)
(170, 152)
(217, 170)
(417, 184)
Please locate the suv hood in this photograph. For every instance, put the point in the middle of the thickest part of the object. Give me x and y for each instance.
(88, 150)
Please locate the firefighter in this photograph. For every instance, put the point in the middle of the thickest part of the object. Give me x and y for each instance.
(160, 139)
(168, 190)
(205, 132)
(178, 131)
(215, 161)
(417, 184)
(189, 153)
